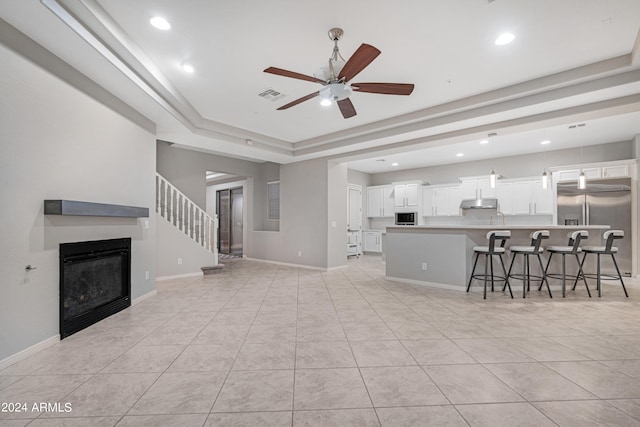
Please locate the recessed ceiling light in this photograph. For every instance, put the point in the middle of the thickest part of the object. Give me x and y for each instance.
(505, 38)
(545, 142)
(394, 164)
(188, 68)
(460, 155)
(160, 23)
(484, 141)
(249, 142)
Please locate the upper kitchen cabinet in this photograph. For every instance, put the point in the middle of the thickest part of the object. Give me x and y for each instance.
(407, 195)
(476, 188)
(442, 200)
(615, 169)
(524, 197)
(380, 201)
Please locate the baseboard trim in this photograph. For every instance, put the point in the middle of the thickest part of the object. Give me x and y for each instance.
(288, 264)
(178, 276)
(21, 355)
(144, 297)
(424, 283)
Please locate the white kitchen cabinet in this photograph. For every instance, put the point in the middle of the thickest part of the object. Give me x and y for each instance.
(476, 188)
(542, 199)
(573, 174)
(406, 195)
(372, 241)
(522, 196)
(427, 201)
(504, 193)
(442, 201)
(455, 197)
(525, 197)
(616, 171)
(380, 201)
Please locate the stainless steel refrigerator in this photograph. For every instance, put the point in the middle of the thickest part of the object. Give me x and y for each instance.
(603, 202)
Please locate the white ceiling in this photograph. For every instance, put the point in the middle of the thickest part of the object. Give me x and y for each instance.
(573, 61)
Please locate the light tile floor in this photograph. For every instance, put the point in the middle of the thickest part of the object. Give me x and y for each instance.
(263, 345)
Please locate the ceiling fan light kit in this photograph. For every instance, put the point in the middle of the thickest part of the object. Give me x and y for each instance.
(336, 75)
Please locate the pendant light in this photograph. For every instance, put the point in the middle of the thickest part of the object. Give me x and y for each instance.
(492, 176)
(582, 179)
(545, 175)
(545, 180)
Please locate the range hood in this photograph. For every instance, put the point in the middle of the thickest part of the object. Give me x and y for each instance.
(487, 203)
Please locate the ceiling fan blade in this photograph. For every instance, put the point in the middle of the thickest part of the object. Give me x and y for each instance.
(384, 88)
(346, 108)
(299, 100)
(293, 75)
(358, 61)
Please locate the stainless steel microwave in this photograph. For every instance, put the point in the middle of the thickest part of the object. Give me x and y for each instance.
(406, 218)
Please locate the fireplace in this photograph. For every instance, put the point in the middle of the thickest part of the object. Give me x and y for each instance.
(95, 282)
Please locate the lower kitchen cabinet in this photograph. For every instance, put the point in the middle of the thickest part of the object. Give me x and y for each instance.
(372, 241)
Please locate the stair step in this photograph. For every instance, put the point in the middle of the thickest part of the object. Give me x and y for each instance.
(214, 269)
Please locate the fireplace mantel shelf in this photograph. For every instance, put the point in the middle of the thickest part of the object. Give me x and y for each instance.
(76, 208)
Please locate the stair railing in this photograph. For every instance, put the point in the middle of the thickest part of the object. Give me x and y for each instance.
(184, 214)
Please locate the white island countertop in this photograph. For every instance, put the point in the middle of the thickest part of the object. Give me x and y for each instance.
(442, 255)
(496, 227)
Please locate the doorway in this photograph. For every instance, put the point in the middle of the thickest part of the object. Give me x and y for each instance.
(230, 226)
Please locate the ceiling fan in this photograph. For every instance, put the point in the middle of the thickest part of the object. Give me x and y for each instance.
(336, 76)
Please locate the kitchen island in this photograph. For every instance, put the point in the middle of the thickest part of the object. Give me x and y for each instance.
(447, 251)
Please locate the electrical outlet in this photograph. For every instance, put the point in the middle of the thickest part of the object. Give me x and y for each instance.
(146, 275)
(179, 261)
(299, 253)
(424, 266)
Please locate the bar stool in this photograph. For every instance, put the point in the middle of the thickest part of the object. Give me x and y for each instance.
(500, 236)
(573, 248)
(525, 251)
(608, 249)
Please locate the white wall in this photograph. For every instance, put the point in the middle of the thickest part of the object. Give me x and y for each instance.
(58, 143)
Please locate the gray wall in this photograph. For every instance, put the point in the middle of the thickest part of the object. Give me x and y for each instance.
(337, 214)
(309, 197)
(510, 167)
(57, 142)
(192, 255)
(186, 169)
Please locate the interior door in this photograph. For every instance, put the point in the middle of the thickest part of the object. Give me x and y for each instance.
(236, 224)
(354, 200)
(223, 207)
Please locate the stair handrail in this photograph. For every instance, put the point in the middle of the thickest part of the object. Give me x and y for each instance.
(174, 206)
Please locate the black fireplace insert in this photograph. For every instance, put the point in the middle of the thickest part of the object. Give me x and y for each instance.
(95, 282)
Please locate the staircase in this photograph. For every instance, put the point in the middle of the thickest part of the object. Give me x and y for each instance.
(186, 216)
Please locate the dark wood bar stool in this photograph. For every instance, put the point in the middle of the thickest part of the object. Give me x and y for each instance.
(572, 248)
(497, 240)
(534, 249)
(608, 249)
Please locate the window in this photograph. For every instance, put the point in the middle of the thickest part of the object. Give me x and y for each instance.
(273, 193)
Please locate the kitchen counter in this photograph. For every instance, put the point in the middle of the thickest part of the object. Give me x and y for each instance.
(447, 250)
(497, 227)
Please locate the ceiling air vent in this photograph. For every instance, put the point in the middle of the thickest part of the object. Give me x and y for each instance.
(271, 95)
